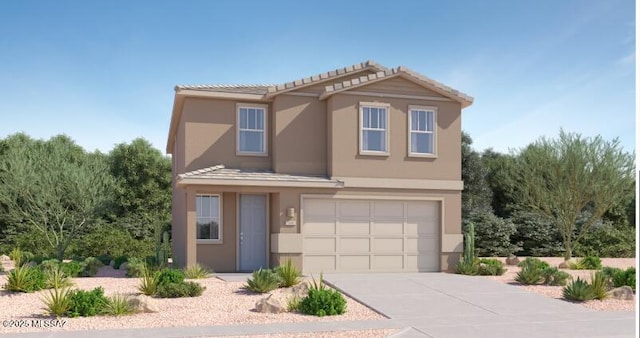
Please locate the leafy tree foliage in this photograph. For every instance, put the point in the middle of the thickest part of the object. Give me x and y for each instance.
(565, 177)
(493, 234)
(538, 235)
(476, 195)
(501, 179)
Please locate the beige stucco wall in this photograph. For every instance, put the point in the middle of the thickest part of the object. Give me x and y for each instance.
(343, 144)
(210, 135)
(221, 257)
(300, 129)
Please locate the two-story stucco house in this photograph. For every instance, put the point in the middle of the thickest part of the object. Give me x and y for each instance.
(353, 170)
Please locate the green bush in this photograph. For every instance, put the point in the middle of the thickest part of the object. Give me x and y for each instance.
(288, 274)
(49, 265)
(72, 268)
(117, 262)
(531, 271)
(625, 277)
(599, 285)
(555, 277)
(91, 267)
(25, 279)
(57, 302)
(492, 234)
(590, 263)
(118, 305)
(262, 281)
(169, 276)
(135, 267)
(537, 235)
(293, 304)
(87, 303)
(20, 257)
(149, 282)
(578, 290)
(39, 259)
(55, 278)
(108, 239)
(105, 259)
(177, 290)
(196, 271)
(491, 267)
(608, 240)
(321, 301)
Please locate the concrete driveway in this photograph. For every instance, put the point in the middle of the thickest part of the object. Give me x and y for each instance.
(448, 305)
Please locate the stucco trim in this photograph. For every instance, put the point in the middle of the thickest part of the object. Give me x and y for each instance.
(286, 242)
(396, 96)
(400, 183)
(186, 181)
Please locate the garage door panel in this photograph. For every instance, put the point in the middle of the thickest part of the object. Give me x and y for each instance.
(356, 208)
(388, 262)
(319, 244)
(385, 245)
(353, 227)
(419, 228)
(387, 228)
(388, 209)
(422, 262)
(326, 263)
(423, 209)
(319, 207)
(422, 244)
(355, 263)
(319, 227)
(355, 245)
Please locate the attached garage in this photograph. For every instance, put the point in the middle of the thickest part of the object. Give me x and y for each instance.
(370, 235)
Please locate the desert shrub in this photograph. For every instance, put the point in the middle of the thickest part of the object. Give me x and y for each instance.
(149, 282)
(91, 267)
(578, 290)
(135, 267)
(87, 303)
(49, 264)
(490, 267)
(39, 259)
(118, 305)
(117, 262)
(72, 268)
(531, 271)
(196, 271)
(288, 274)
(25, 279)
(322, 301)
(625, 277)
(262, 281)
(20, 257)
(293, 304)
(492, 234)
(105, 259)
(590, 263)
(168, 276)
(177, 290)
(608, 240)
(553, 276)
(57, 302)
(599, 285)
(537, 235)
(55, 278)
(110, 240)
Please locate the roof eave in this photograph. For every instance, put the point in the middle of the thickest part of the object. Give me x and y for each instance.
(187, 181)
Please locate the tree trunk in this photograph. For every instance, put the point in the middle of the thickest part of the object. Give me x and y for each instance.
(567, 250)
(60, 252)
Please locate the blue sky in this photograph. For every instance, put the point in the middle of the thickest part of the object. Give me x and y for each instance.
(103, 72)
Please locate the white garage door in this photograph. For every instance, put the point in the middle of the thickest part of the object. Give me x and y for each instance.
(345, 235)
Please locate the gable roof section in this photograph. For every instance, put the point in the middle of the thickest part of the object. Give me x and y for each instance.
(405, 73)
(323, 77)
(258, 89)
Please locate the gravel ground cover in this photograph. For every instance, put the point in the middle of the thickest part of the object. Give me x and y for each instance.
(556, 291)
(222, 303)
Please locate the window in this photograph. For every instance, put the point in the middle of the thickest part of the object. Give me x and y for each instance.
(208, 218)
(252, 135)
(422, 135)
(374, 124)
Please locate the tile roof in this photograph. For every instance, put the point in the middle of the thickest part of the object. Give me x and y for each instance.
(260, 89)
(220, 172)
(363, 80)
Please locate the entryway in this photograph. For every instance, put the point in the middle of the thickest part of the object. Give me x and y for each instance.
(252, 232)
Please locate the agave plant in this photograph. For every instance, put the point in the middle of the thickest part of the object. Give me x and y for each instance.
(262, 281)
(578, 290)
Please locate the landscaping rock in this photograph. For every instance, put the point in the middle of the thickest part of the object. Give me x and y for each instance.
(123, 266)
(301, 290)
(5, 258)
(623, 292)
(565, 264)
(271, 304)
(112, 263)
(512, 260)
(143, 304)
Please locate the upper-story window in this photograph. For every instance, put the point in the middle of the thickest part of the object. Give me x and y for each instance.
(208, 228)
(252, 130)
(422, 131)
(374, 128)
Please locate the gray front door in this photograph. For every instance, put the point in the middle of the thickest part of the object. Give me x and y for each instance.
(253, 232)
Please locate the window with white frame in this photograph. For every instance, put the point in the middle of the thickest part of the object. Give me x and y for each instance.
(374, 128)
(252, 135)
(208, 218)
(422, 135)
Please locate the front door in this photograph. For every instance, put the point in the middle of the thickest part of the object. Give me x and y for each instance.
(253, 232)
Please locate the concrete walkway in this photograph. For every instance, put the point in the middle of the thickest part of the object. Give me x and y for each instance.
(446, 305)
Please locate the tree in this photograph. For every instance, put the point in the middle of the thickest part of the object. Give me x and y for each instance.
(566, 177)
(476, 195)
(53, 187)
(142, 197)
(501, 174)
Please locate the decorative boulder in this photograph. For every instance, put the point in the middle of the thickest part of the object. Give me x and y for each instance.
(112, 263)
(565, 264)
(512, 260)
(301, 290)
(5, 258)
(144, 304)
(270, 304)
(123, 266)
(623, 292)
